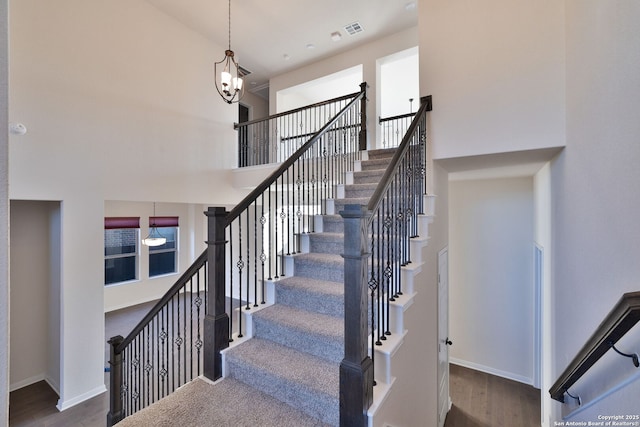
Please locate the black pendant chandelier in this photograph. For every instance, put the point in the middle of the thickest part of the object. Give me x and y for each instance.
(227, 74)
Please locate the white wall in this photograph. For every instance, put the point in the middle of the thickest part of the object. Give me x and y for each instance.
(191, 238)
(399, 82)
(35, 318)
(595, 189)
(491, 276)
(496, 72)
(334, 85)
(119, 105)
(366, 55)
(4, 218)
(258, 107)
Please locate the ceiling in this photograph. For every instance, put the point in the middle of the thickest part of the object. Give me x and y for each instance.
(272, 37)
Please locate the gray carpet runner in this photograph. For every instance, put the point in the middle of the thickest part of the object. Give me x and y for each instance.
(288, 373)
(298, 342)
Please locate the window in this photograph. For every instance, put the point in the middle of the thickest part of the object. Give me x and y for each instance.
(121, 236)
(163, 259)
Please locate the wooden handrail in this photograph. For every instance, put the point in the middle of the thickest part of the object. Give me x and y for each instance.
(618, 322)
(296, 110)
(401, 116)
(188, 274)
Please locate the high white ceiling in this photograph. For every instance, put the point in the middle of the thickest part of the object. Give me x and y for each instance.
(264, 32)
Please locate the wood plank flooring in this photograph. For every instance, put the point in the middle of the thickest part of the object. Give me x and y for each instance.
(483, 400)
(479, 399)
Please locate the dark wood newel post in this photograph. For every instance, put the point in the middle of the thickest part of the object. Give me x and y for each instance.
(115, 413)
(216, 321)
(356, 369)
(363, 116)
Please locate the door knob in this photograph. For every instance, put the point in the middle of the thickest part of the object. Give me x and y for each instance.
(447, 341)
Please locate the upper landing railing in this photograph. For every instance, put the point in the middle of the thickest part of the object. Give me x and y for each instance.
(275, 138)
(618, 322)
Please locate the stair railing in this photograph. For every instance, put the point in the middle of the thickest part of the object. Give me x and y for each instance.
(618, 322)
(393, 129)
(248, 245)
(165, 349)
(275, 138)
(375, 249)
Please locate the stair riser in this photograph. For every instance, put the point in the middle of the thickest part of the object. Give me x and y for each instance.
(289, 392)
(332, 273)
(331, 226)
(327, 246)
(377, 164)
(319, 303)
(352, 192)
(329, 348)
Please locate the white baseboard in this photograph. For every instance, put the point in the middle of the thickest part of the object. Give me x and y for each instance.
(26, 382)
(492, 371)
(32, 380)
(68, 403)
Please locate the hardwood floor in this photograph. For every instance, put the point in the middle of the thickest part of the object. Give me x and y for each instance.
(483, 400)
(35, 405)
(479, 399)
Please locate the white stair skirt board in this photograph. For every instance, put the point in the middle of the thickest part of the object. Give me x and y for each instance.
(348, 178)
(330, 207)
(429, 201)
(383, 357)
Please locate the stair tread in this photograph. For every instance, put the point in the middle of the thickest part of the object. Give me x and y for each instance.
(326, 235)
(313, 285)
(291, 365)
(321, 258)
(304, 320)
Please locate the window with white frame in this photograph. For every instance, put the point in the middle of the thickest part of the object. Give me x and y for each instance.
(121, 237)
(163, 259)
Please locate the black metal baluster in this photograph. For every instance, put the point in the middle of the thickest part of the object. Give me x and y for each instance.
(255, 253)
(240, 266)
(282, 230)
(272, 256)
(263, 256)
(248, 262)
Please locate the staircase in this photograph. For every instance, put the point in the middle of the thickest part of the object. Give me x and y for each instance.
(298, 342)
(274, 327)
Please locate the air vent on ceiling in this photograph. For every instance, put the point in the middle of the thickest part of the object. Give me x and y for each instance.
(243, 71)
(353, 28)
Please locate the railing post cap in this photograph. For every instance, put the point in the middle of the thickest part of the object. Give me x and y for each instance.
(215, 211)
(116, 340)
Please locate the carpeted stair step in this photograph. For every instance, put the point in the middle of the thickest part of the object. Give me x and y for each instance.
(368, 176)
(376, 164)
(302, 330)
(328, 243)
(332, 224)
(321, 296)
(360, 190)
(319, 266)
(306, 382)
(381, 153)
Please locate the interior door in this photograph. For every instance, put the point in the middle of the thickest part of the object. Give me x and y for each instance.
(444, 401)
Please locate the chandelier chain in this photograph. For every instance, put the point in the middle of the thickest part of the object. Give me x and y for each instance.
(229, 24)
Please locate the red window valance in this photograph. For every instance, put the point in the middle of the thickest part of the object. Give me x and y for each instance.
(163, 221)
(112, 222)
